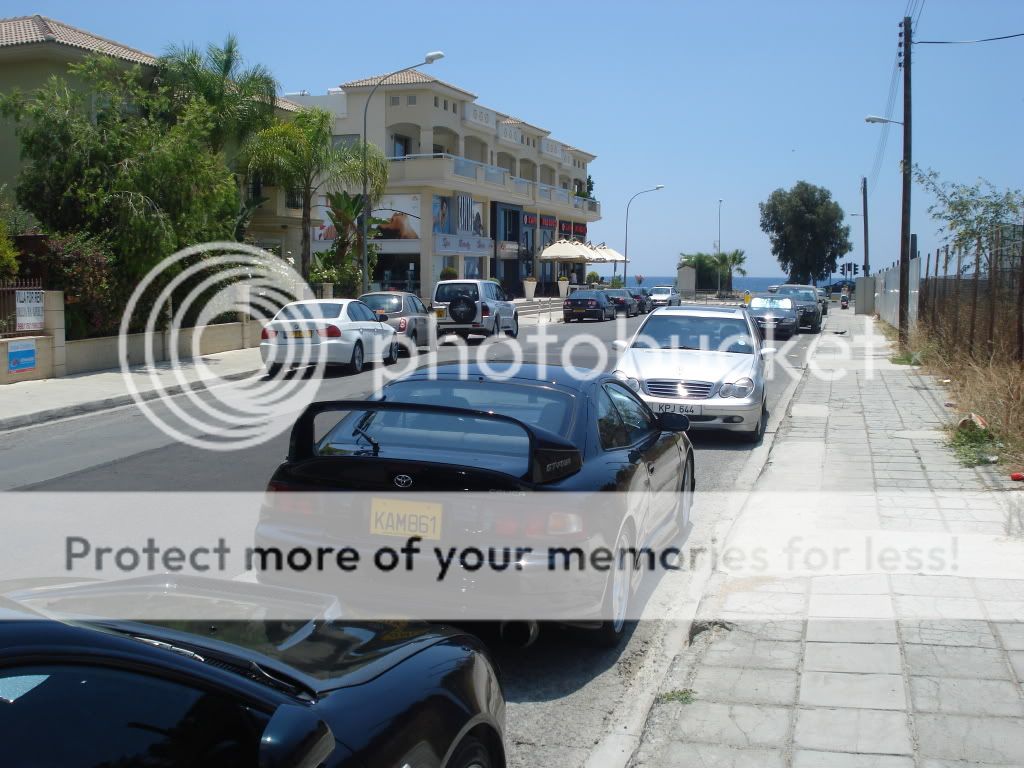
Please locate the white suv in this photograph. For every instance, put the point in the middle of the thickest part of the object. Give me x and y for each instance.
(480, 307)
(665, 296)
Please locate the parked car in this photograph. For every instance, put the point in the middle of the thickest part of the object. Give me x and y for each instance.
(332, 331)
(231, 691)
(704, 362)
(807, 304)
(504, 432)
(623, 301)
(643, 299)
(665, 296)
(405, 313)
(473, 307)
(776, 316)
(580, 305)
(824, 300)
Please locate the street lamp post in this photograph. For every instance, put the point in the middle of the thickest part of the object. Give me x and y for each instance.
(625, 250)
(718, 248)
(430, 58)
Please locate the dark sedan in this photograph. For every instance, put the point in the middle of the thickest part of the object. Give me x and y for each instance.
(623, 301)
(506, 440)
(222, 693)
(775, 315)
(583, 304)
(643, 299)
(805, 298)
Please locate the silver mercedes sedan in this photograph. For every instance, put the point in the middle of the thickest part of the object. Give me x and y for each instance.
(705, 362)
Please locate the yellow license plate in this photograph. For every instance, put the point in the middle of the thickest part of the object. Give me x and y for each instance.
(440, 312)
(298, 334)
(396, 517)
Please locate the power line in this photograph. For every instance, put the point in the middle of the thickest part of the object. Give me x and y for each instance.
(967, 42)
(917, 18)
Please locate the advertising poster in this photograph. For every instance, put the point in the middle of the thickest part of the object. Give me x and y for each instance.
(442, 215)
(21, 356)
(402, 214)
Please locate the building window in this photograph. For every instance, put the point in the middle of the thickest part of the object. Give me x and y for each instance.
(437, 101)
(401, 146)
(293, 198)
(395, 101)
(255, 187)
(446, 105)
(410, 100)
(455, 107)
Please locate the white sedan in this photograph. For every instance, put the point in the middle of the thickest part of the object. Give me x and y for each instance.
(332, 331)
(704, 362)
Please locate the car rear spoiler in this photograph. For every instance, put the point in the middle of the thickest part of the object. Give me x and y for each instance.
(552, 457)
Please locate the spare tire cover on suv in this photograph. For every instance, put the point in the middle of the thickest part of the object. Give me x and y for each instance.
(462, 309)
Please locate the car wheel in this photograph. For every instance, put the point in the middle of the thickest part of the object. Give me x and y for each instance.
(513, 331)
(686, 491)
(392, 356)
(471, 753)
(356, 364)
(273, 369)
(414, 344)
(757, 433)
(617, 596)
(816, 328)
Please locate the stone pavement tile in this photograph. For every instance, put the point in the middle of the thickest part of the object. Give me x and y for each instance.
(959, 764)
(931, 586)
(903, 523)
(677, 753)
(1012, 635)
(859, 584)
(766, 605)
(869, 731)
(1017, 660)
(733, 725)
(851, 631)
(923, 607)
(1000, 589)
(850, 607)
(786, 629)
(965, 697)
(971, 739)
(857, 691)
(744, 685)
(945, 661)
(853, 657)
(974, 634)
(744, 650)
(1004, 610)
(969, 526)
(805, 759)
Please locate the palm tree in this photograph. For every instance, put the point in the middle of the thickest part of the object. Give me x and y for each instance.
(730, 262)
(241, 100)
(300, 155)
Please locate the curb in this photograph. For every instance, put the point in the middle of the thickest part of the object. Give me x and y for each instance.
(109, 403)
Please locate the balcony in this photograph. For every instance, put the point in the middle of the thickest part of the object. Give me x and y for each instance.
(480, 178)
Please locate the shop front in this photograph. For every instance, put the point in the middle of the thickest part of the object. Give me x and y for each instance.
(398, 244)
(547, 229)
(506, 226)
(460, 237)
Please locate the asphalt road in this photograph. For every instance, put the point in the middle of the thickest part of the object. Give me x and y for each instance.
(566, 699)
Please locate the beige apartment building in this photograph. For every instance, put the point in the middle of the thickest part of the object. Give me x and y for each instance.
(33, 48)
(470, 187)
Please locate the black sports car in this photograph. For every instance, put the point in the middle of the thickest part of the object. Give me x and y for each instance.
(643, 299)
(233, 693)
(510, 438)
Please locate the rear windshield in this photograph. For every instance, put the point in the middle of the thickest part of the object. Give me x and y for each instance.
(661, 290)
(617, 292)
(807, 294)
(450, 291)
(770, 302)
(727, 334)
(584, 294)
(382, 302)
(310, 311)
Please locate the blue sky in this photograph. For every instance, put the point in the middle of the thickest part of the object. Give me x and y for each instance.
(730, 99)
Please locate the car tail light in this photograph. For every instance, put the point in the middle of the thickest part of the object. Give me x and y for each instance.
(539, 524)
(330, 331)
(267, 333)
(485, 311)
(403, 323)
(592, 303)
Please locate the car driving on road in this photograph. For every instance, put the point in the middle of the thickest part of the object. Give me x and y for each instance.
(623, 301)
(232, 691)
(643, 299)
(405, 313)
(473, 307)
(665, 296)
(776, 316)
(704, 362)
(330, 331)
(580, 305)
(808, 306)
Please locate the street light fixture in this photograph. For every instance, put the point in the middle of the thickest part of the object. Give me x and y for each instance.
(718, 248)
(625, 251)
(877, 119)
(430, 58)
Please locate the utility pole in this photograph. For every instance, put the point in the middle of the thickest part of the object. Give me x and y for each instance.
(864, 215)
(905, 254)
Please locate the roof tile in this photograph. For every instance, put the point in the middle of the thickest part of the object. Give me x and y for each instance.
(409, 77)
(28, 30)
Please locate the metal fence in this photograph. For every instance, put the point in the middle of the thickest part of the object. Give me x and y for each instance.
(8, 306)
(887, 293)
(972, 301)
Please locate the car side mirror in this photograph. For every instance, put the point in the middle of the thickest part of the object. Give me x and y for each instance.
(673, 422)
(619, 345)
(767, 351)
(382, 317)
(295, 738)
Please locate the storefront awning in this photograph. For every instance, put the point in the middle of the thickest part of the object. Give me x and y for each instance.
(609, 255)
(572, 251)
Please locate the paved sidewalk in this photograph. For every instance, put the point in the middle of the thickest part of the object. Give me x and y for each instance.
(859, 667)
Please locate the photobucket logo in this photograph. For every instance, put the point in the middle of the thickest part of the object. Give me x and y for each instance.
(196, 290)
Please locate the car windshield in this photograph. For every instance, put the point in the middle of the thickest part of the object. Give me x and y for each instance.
(618, 292)
(770, 302)
(722, 334)
(451, 291)
(310, 311)
(382, 302)
(584, 295)
(807, 294)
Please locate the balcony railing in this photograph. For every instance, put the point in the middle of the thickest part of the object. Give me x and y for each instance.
(430, 167)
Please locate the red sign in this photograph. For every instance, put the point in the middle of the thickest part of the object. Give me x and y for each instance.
(565, 227)
(530, 219)
(547, 222)
(579, 229)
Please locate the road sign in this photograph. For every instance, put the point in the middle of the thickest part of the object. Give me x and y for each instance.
(21, 355)
(29, 311)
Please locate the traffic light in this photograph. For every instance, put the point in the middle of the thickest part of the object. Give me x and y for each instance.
(856, 269)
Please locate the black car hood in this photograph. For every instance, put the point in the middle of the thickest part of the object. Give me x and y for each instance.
(772, 312)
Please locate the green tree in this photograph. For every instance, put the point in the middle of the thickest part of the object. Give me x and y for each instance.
(593, 277)
(241, 100)
(805, 227)
(301, 155)
(705, 266)
(731, 262)
(8, 255)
